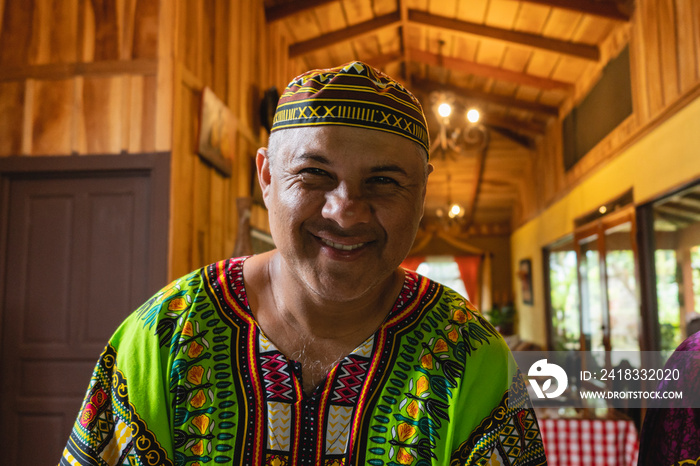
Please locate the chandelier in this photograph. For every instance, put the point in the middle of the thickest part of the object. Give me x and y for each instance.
(460, 131)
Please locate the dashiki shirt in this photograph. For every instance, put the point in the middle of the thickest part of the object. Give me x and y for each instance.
(190, 379)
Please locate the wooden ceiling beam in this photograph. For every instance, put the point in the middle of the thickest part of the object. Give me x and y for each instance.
(688, 200)
(509, 133)
(671, 209)
(380, 61)
(346, 34)
(610, 10)
(487, 71)
(585, 51)
(514, 124)
(402, 7)
(290, 8)
(542, 109)
(680, 222)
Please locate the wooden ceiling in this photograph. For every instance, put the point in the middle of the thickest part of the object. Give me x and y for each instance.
(521, 63)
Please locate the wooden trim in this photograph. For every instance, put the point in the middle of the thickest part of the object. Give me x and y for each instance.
(343, 35)
(650, 331)
(580, 50)
(478, 69)
(57, 71)
(80, 163)
(479, 170)
(472, 94)
(548, 314)
(290, 8)
(610, 10)
(4, 238)
(598, 228)
(402, 7)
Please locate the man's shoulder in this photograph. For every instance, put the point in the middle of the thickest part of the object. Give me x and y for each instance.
(458, 323)
(175, 302)
(448, 297)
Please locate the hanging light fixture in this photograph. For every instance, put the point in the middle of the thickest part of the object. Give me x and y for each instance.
(460, 131)
(451, 212)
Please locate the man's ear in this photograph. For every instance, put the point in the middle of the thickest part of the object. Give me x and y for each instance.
(429, 169)
(262, 162)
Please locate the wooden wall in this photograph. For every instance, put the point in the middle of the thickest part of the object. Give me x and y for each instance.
(81, 77)
(665, 62)
(125, 77)
(227, 46)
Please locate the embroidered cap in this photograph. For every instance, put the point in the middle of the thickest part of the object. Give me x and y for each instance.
(354, 94)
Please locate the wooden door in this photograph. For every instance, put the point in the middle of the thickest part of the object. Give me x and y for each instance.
(78, 261)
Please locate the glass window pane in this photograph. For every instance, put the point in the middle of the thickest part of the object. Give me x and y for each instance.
(677, 265)
(591, 305)
(623, 303)
(443, 269)
(667, 297)
(563, 284)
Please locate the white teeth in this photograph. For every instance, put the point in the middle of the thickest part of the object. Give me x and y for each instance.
(343, 247)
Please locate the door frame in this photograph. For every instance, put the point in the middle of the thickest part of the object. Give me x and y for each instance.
(598, 228)
(155, 166)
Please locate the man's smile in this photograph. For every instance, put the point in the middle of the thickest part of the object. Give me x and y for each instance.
(343, 247)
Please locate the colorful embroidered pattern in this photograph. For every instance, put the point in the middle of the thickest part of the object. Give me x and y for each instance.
(429, 387)
(108, 430)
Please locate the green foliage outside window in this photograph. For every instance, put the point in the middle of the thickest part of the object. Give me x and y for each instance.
(564, 299)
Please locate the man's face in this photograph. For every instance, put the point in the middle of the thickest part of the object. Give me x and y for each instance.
(344, 205)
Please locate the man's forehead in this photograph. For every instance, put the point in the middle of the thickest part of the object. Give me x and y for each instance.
(331, 145)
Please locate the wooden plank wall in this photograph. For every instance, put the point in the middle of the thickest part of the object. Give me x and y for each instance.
(665, 62)
(228, 47)
(79, 77)
(126, 77)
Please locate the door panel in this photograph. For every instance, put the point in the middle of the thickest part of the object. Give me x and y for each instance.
(77, 265)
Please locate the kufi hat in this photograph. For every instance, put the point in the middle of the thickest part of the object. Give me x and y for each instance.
(354, 94)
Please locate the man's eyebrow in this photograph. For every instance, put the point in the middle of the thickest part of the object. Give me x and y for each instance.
(389, 168)
(306, 156)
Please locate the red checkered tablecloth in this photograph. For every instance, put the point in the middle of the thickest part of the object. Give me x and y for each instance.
(594, 442)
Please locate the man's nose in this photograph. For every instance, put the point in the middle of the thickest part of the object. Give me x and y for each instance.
(346, 207)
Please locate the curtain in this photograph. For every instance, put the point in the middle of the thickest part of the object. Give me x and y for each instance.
(469, 271)
(412, 262)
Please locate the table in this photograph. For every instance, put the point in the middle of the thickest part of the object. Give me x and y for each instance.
(594, 442)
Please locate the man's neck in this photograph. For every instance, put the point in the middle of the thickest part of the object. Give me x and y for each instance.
(324, 317)
(304, 327)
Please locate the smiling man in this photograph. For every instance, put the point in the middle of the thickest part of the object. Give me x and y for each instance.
(323, 351)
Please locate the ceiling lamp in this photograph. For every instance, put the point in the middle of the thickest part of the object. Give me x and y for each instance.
(460, 132)
(460, 128)
(444, 109)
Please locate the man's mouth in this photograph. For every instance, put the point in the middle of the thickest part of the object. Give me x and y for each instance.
(342, 247)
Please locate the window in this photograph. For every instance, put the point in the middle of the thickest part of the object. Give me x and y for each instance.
(443, 269)
(673, 231)
(563, 302)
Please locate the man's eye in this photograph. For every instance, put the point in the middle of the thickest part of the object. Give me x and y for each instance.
(313, 171)
(383, 180)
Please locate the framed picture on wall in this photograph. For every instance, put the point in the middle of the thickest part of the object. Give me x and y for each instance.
(525, 276)
(216, 141)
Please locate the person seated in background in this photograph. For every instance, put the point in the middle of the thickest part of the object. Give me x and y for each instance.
(671, 428)
(323, 351)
